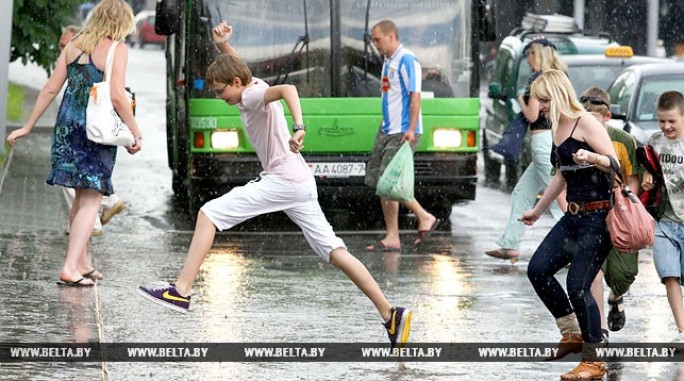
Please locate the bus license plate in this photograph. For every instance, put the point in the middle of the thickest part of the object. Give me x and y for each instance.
(338, 169)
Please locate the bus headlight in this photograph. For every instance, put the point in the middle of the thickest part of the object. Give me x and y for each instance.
(225, 139)
(446, 138)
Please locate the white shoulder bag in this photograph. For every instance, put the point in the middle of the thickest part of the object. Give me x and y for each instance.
(103, 124)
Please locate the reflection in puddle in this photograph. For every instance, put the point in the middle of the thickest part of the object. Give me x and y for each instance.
(223, 288)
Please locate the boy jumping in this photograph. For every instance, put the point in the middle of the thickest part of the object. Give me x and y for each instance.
(286, 184)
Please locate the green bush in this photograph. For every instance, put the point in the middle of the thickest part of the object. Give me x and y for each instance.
(15, 102)
(3, 155)
(36, 27)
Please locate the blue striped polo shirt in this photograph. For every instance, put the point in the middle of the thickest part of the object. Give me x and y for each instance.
(401, 76)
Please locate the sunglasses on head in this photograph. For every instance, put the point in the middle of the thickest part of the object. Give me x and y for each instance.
(543, 41)
(594, 101)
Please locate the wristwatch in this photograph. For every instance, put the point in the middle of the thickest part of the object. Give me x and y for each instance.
(298, 127)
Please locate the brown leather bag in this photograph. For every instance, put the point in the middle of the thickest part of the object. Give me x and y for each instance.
(631, 227)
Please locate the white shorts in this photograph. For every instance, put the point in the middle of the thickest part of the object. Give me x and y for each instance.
(273, 194)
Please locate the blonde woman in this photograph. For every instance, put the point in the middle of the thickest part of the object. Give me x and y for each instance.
(581, 147)
(541, 55)
(77, 162)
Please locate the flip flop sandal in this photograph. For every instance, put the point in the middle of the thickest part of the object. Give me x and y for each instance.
(380, 247)
(503, 254)
(616, 319)
(91, 275)
(65, 283)
(425, 234)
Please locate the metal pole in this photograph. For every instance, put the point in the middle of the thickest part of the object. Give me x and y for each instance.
(335, 48)
(579, 13)
(652, 31)
(5, 43)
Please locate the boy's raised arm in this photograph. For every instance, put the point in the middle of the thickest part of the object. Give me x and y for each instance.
(221, 35)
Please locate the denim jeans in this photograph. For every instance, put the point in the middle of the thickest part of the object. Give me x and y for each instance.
(583, 241)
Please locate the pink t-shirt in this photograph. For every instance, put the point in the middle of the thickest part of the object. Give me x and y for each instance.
(269, 134)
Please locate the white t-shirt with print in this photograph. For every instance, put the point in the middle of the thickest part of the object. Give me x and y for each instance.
(269, 134)
(671, 157)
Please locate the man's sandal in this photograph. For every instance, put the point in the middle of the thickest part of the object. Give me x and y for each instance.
(616, 319)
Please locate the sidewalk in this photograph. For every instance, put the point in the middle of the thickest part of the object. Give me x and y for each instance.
(33, 216)
(46, 122)
(27, 203)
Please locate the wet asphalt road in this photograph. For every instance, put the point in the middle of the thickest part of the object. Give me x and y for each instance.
(270, 287)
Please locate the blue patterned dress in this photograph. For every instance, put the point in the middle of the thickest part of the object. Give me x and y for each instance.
(76, 161)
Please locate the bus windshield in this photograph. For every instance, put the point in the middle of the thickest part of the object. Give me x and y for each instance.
(290, 41)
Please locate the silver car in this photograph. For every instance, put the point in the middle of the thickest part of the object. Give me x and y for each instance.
(634, 94)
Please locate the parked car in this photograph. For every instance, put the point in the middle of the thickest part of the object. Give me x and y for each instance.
(634, 94)
(510, 75)
(144, 30)
(586, 70)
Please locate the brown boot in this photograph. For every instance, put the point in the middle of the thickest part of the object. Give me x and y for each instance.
(586, 370)
(569, 343)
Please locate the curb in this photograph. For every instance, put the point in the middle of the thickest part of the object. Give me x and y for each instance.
(5, 167)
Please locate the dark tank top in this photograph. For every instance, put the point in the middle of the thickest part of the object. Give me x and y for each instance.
(541, 123)
(585, 182)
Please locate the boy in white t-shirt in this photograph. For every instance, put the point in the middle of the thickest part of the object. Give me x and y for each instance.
(286, 184)
(668, 251)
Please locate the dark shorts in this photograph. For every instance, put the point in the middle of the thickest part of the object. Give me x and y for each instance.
(620, 270)
(384, 149)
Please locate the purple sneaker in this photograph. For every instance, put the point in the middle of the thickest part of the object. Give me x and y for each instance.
(398, 326)
(165, 294)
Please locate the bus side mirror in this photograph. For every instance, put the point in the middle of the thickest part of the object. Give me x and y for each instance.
(167, 16)
(495, 91)
(486, 21)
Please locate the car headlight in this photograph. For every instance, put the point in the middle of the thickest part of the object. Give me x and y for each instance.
(225, 139)
(446, 138)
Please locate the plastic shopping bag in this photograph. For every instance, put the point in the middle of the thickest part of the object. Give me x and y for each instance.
(396, 182)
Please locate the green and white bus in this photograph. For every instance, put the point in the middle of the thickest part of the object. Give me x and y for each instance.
(324, 48)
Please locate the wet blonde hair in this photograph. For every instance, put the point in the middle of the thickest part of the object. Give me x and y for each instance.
(546, 57)
(227, 67)
(109, 18)
(553, 86)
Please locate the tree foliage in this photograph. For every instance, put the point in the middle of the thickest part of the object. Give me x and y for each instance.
(36, 27)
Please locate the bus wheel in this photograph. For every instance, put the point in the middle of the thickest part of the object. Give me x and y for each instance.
(177, 185)
(196, 196)
(492, 169)
(513, 173)
(440, 209)
(200, 193)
